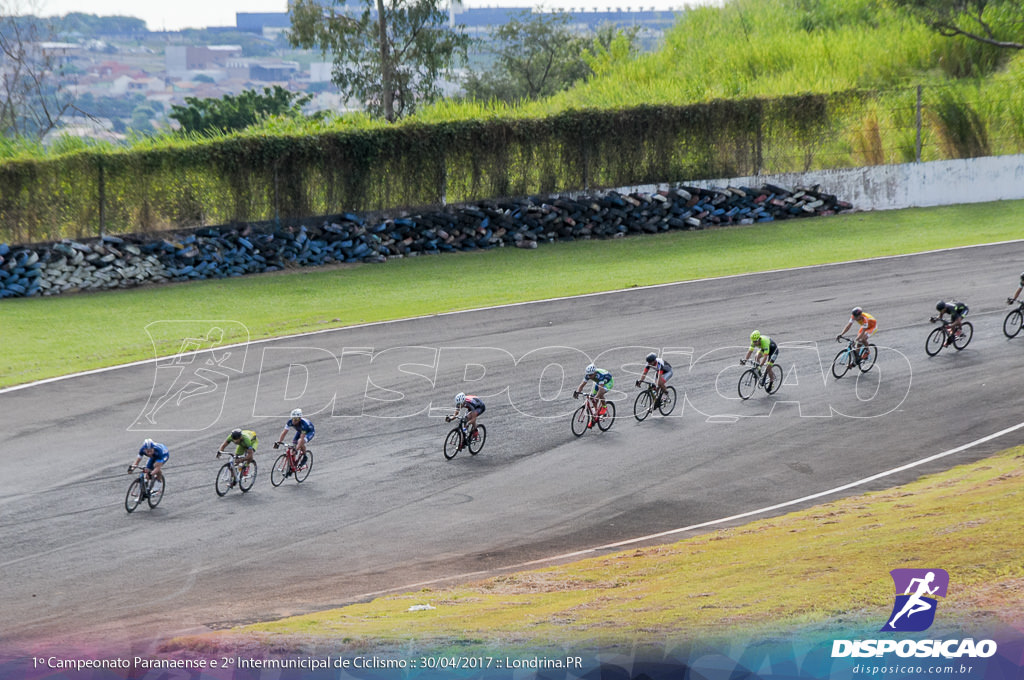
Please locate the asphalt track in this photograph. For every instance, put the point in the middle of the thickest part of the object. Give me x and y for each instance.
(382, 509)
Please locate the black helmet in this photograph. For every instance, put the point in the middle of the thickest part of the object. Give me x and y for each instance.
(236, 433)
(652, 357)
(856, 311)
(940, 305)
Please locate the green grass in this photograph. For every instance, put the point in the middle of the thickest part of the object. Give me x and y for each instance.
(93, 330)
(812, 570)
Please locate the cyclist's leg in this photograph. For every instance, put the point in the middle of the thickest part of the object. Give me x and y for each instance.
(158, 471)
(600, 398)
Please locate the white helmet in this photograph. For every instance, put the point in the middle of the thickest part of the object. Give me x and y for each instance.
(460, 398)
(590, 369)
(297, 413)
(147, 444)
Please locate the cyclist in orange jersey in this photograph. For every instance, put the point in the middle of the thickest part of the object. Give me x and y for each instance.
(868, 324)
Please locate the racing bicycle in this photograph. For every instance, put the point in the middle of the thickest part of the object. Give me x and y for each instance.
(757, 376)
(1014, 321)
(291, 463)
(945, 335)
(588, 415)
(235, 472)
(862, 357)
(458, 439)
(145, 487)
(647, 401)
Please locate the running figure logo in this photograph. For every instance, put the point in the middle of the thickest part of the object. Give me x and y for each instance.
(917, 593)
(190, 386)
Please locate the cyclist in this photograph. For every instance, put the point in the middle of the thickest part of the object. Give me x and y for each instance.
(1010, 301)
(245, 442)
(603, 382)
(474, 407)
(157, 454)
(304, 433)
(868, 324)
(956, 310)
(767, 353)
(663, 372)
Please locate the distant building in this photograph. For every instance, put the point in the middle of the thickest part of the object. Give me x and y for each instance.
(256, 22)
(180, 59)
(274, 71)
(320, 72)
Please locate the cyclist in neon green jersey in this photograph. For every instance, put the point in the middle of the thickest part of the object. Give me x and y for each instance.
(767, 353)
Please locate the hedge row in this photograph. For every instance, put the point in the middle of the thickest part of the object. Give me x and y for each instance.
(251, 178)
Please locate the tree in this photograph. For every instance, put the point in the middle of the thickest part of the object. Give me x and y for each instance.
(390, 54)
(999, 23)
(237, 112)
(537, 54)
(32, 94)
(611, 46)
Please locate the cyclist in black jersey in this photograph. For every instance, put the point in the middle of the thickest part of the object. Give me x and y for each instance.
(956, 310)
(663, 372)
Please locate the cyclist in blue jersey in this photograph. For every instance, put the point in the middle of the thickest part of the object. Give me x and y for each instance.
(663, 371)
(474, 407)
(157, 454)
(304, 433)
(603, 382)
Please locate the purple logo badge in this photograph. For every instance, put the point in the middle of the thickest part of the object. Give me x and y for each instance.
(917, 593)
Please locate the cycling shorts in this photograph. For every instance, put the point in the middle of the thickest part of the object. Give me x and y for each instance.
(667, 375)
(478, 411)
(605, 385)
(958, 313)
(153, 460)
(869, 328)
(309, 436)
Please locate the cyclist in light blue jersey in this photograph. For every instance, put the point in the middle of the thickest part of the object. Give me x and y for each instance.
(603, 382)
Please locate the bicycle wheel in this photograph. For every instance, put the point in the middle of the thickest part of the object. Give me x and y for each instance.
(478, 443)
(580, 420)
(668, 400)
(452, 443)
(643, 405)
(302, 471)
(604, 423)
(748, 384)
(774, 379)
(1012, 323)
(936, 339)
(966, 333)
(842, 363)
(224, 479)
(134, 496)
(280, 470)
(867, 363)
(156, 493)
(247, 476)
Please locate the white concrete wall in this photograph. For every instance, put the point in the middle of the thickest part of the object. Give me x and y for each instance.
(890, 187)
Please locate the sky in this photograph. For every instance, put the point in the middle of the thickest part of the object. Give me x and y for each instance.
(173, 15)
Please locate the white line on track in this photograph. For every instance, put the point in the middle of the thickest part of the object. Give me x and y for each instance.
(143, 362)
(587, 552)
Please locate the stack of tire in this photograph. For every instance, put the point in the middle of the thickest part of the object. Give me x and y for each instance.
(238, 250)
